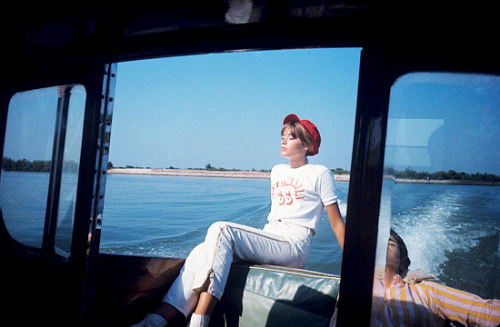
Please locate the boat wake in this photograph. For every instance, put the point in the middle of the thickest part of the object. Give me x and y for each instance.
(444, 239)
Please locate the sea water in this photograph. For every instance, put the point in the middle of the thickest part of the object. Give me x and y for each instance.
(451, 231)
(172, 214)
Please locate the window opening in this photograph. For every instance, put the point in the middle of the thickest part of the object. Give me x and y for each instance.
(219, 112)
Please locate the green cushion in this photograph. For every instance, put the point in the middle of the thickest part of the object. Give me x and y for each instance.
(258, 295)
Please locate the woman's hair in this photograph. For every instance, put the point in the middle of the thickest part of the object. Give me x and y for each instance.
(296, 129)
(404, 261)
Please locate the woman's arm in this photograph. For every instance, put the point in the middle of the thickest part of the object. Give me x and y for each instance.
(336, 222)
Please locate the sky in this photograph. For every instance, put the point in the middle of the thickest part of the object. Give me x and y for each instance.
(227, 110)
(444, 121)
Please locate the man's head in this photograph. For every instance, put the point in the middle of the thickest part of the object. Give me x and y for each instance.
(397, 254)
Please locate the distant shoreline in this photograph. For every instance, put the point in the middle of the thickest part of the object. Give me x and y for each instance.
(439, 181)
(266, 175)
(204, 173)
(190, 172)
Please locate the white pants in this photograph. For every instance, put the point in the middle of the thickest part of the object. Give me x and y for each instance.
(278, 243)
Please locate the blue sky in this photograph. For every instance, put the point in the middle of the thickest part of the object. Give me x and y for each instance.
(227, 109)
(444, 121)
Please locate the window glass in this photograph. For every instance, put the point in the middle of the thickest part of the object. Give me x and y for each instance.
(219, 112)
(27, 161)
(440, 195)
(71, 165)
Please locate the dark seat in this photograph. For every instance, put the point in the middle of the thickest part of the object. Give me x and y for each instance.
(256, 295)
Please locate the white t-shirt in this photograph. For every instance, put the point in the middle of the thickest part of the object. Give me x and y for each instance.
(299, 195)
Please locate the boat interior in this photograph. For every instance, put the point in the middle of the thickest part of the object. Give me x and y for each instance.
(64, 43)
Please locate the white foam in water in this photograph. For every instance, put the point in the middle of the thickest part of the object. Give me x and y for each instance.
(431, 230)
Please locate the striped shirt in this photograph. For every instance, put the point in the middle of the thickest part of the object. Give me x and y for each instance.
(430, 304)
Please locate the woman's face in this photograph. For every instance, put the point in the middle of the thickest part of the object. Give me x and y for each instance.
(292, 147)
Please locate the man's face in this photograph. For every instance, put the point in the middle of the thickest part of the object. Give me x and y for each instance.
(393, 254)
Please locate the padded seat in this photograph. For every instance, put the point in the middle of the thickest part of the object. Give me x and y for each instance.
(260, 295)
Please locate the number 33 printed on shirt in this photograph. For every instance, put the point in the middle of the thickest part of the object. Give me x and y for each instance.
(287, 191)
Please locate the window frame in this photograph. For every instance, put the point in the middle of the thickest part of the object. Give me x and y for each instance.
(74, 274)
(380, 67)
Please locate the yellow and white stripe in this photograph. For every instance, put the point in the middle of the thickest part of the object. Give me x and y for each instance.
(430, 304)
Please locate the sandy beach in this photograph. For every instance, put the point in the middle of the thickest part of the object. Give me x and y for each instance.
(203, 173)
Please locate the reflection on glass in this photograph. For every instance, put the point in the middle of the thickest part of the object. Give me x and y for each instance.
(441, 189)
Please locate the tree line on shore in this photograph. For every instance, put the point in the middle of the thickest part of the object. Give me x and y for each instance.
(409, 173)
(209, 167)
(41, 166)
(9, 164)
